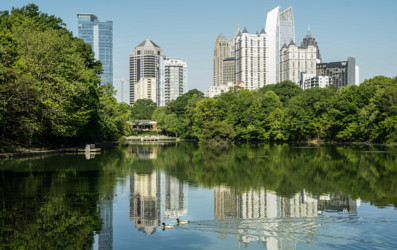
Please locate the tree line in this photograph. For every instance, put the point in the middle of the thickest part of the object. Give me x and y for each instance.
(284, 112)
(50, 91)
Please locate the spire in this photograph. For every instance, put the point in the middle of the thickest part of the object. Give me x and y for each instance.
(284, 46)
(309, 34)
(245, 30)
(291, 43)
(263, 31)
(238, 31)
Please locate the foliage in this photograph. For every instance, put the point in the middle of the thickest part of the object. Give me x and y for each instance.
(284, 112)
(143, 109)
(49, 82)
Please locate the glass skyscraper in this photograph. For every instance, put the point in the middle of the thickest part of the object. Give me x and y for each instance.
(100, 36)
(280, 29)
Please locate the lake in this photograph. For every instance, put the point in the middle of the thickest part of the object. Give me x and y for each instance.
(256, 196)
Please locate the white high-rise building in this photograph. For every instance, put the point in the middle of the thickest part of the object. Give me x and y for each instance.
(296, 60)
(251, 59)
(232, 43)
(173, 80)
(146, 88)
(280, 29)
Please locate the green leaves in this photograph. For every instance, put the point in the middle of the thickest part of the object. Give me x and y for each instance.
(284, 112)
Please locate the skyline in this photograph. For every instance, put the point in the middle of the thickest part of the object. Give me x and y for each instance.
(189, 30)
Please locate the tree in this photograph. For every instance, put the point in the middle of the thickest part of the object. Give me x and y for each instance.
(143, 109)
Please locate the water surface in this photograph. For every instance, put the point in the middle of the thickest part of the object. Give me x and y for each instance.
(247, 196)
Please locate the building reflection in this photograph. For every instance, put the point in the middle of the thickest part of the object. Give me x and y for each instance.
(143, 152)
(155, 196)
(145, 202)
(104, 239)
(258, 213)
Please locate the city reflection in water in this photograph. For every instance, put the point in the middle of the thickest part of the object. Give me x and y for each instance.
(154, 196)
(260, 214)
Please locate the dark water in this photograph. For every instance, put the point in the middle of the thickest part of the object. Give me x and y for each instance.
(247, 196)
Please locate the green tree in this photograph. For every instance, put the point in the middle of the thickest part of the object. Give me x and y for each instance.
(143, 109)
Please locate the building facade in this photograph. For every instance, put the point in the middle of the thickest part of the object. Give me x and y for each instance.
(280, 29)
(229, 70)
(296, 60)
(144, 62)
(251, 60)
(310, 40)
(343, 73)
(213, 91)
(173, 80)
(221, 51)
(146, 88)
(317, 81)
(100, 36)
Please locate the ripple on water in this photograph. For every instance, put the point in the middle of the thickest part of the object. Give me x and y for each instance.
(333, 231)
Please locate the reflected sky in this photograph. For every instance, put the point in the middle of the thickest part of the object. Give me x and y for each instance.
(247, 196)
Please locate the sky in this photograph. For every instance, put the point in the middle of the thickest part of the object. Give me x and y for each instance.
(364, 29)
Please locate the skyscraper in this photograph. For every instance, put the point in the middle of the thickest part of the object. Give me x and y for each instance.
(280, 29)
(144, 62)
(296, 60)
(251, 59)
(100, 36)
(344, 72)
(173, 80)
(221, 51)
(310, 40)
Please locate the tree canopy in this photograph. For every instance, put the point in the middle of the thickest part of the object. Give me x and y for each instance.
(285, 112)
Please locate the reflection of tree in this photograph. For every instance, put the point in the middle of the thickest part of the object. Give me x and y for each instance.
(43, 212)
(288, 169)
(51, 202)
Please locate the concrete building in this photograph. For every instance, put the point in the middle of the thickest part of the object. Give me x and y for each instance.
(310, 40)
(316, 81)
(221, 51)
(280, 29)
(213, 91)
(229, 70)
(232, 43)
(173, 80)
(296, 60)
(146, 88)
(100, 36)
(144, 62)
(251, 59)
(344, 72)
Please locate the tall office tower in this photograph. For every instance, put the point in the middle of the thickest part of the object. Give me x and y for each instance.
(229, 70)
(310, 40)
(280, 29)
(251, 60)
(173, 80)
(343, 73)
(296, 60)
(144, 62)
(146, 88)
(100, 36)
(221, 51)
(232, 43)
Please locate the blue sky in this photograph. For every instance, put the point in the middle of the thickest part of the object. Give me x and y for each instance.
(364, 29)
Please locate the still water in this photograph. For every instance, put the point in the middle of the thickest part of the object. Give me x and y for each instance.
(247, 196)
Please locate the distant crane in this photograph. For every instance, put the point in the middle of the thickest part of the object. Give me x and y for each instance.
(122, 81)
